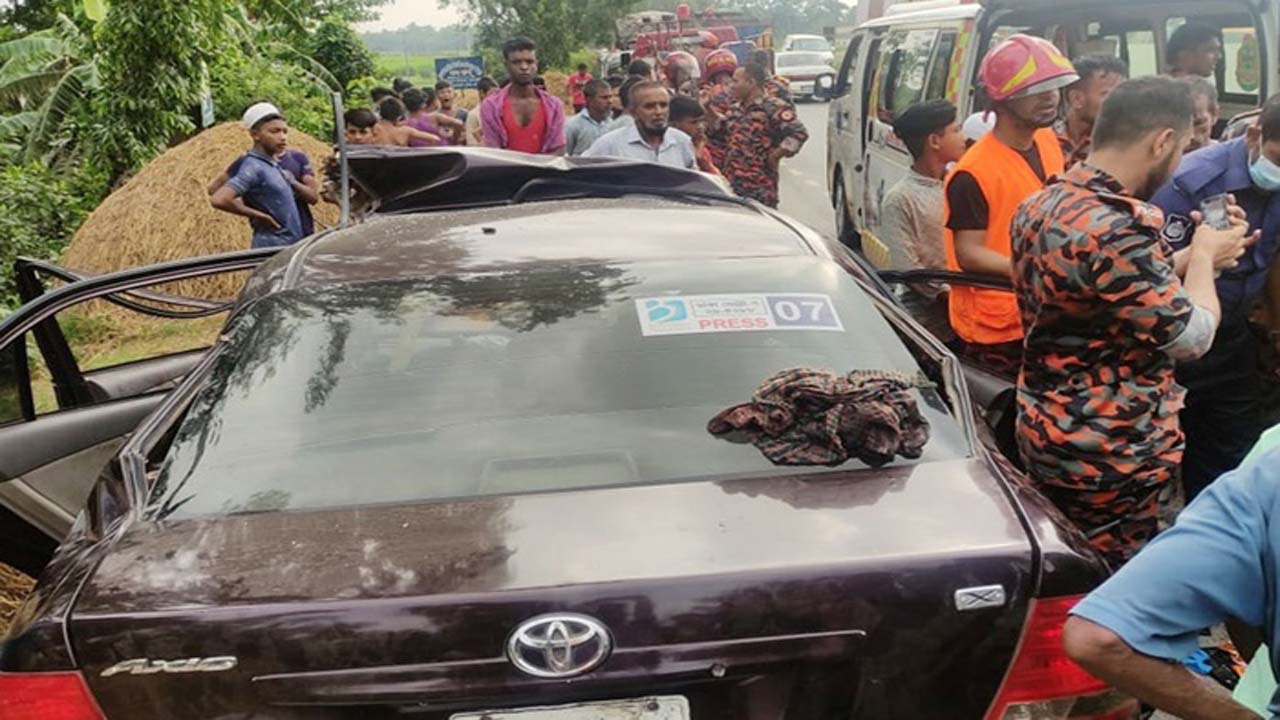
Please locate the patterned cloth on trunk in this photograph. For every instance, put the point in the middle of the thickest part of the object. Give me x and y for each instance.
(815, 417)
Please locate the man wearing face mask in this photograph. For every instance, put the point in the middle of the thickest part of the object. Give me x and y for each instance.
(1222, 417)
(1023, 77)
(1106, 316)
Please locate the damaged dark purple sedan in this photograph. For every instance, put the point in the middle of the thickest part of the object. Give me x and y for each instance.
(456, 464)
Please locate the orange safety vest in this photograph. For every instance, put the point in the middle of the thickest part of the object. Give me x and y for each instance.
(988, 317)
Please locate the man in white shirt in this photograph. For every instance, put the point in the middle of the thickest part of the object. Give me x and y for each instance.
(592, 121)
(649, 137)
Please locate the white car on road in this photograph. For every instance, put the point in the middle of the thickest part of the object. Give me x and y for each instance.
(810, 74)
(809, 43)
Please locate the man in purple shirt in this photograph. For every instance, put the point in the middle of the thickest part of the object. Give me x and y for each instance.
(521, 104)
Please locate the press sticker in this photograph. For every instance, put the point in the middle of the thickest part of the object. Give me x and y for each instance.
(691, 314)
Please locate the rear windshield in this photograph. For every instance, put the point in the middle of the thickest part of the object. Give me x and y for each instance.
(508, 382)
(801, 59)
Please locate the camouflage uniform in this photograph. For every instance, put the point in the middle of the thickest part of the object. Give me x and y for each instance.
(1071, 152)
(750, 132)
(721, 103)
(1097, 401)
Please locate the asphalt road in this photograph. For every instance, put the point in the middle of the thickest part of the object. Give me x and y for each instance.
(803, 183)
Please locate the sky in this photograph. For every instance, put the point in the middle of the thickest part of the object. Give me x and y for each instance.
(399, 13)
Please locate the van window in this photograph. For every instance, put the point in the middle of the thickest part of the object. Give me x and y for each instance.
(1238, 77)
(903, 70)
(1243, 63)
(940, 67)
(847, 64)
(1140, 47)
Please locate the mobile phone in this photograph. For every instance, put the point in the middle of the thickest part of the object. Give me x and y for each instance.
(1214, 210)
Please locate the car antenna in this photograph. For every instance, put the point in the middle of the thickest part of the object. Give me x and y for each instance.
(344, 172)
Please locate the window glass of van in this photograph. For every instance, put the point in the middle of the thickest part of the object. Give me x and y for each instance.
(1142, 57)
(1243, 62)
(903, 69)
(940, 67)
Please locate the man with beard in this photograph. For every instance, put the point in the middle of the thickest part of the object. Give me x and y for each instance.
(648, 137)
(1099, 75)
(522, 116)
(1106, 317)
(1022, 77)
(758, 133)
(1223, 416)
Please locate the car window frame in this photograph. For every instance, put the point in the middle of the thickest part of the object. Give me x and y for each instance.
(34, 316)
(21, 383)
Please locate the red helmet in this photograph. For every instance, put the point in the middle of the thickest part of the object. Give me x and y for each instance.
(720, 61)
(1025, 65)
(683, 62)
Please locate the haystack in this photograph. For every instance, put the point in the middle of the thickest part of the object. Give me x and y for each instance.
(163, 212)
(14, 588)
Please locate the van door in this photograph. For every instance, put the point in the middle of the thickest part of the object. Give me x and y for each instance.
(914, 65)
(844, 136)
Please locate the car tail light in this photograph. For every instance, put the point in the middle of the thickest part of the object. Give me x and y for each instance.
(46, 696)
(1044, 684)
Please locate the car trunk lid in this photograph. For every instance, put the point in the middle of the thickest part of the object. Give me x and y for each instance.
(826, 589)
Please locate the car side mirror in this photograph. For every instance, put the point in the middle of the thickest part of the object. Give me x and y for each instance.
(824, 87)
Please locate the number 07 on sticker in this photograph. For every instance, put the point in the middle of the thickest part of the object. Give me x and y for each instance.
(691, 314)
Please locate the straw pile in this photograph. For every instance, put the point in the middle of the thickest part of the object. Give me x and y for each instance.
(14, 588)
(163, 212)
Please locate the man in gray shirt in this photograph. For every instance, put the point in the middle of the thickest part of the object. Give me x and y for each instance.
(911, 214)
(648, 137)
(592, 121)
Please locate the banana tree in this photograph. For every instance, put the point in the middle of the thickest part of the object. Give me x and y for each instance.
(43, 77)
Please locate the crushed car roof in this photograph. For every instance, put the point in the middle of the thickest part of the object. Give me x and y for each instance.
(514, 237)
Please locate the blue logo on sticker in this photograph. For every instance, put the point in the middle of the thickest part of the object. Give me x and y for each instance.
(666, 311)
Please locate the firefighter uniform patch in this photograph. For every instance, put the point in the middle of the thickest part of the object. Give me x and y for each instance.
(1175, 229)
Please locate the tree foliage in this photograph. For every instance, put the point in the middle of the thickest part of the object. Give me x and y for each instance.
(150, 66)
(33, 14)
(337, 47)
(558, 26)
(44, 79)
(41, 210)
(420, 39)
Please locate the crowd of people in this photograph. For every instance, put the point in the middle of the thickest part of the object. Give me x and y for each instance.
(1137, 278)
(739, 125)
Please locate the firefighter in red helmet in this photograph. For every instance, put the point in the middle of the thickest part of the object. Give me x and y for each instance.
(1023, 77)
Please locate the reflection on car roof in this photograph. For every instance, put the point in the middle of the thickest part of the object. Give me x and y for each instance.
(623, 230)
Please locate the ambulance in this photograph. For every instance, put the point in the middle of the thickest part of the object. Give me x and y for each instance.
(931, 49)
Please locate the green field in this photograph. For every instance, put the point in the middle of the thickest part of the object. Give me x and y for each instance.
(420, 69)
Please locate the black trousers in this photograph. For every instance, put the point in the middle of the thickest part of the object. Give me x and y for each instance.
(1222, 418)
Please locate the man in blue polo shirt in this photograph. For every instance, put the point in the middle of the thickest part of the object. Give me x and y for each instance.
(1222, 418)
(261, 190)
(1218, 562)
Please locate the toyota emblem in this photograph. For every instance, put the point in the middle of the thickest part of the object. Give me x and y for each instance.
(560, 645)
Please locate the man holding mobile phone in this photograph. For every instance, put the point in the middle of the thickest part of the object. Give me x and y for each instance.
(1105, 317)
(1223, 418)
